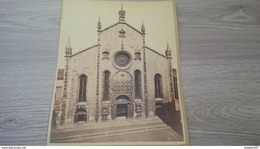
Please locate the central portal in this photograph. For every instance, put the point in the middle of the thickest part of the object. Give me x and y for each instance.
(121, 110)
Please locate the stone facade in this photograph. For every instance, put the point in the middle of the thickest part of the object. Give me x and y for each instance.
(120, 76)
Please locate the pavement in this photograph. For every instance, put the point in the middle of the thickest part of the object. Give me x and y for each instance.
(120, 130)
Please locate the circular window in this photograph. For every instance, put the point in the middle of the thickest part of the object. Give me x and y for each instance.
(122, 60)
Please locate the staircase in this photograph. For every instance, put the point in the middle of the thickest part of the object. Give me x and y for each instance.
(122, 130)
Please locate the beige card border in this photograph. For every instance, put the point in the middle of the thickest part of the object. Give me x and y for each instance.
(182, 105)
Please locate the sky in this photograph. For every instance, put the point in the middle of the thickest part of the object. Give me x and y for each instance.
(79, 23)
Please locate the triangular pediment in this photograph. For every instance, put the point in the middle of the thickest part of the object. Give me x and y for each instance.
(107, 28)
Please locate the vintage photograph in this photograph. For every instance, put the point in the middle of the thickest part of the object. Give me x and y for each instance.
(118, 75)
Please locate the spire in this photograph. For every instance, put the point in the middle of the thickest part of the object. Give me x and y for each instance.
(68, 45)
(99, 24)
(143, 28)
(68, 48)
(168, 52)
(167, 48)
(121, 14)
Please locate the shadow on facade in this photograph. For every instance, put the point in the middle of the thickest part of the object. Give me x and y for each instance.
(167, 113)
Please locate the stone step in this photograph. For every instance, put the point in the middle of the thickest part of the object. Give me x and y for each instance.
(110, 123)
(113, 125)
(110, 133)
(148, 129)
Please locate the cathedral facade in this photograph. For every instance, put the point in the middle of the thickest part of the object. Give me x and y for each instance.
(118, 78)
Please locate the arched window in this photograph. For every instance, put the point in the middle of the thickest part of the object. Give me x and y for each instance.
(106, 85)
(82, 88)
(138, 90)
(158, 86)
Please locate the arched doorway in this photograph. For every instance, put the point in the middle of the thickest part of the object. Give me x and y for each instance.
(122, 107)
(121, 110)
(80, 115)
(122, 89)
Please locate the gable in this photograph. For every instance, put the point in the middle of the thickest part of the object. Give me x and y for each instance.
(121, 36)
(121, 23)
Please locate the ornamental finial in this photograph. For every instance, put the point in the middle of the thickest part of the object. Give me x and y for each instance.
(68, 45)
(121, 14)
(143, 28)
(99, 24)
